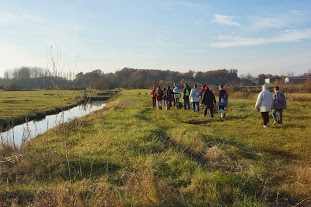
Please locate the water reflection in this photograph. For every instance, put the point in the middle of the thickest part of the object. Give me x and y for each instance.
(21, 133)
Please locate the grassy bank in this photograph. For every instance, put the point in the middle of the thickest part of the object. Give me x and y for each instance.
(130, 154)
(18, 106)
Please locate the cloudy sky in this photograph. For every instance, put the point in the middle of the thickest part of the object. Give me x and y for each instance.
(252, 36)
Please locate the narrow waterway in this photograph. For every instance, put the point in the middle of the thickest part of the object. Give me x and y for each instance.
(24, 132)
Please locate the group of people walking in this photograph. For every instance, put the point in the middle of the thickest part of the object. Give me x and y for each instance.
(171, 97)
(266, 101)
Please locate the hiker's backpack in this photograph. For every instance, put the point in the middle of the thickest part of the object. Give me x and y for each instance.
(159, 93)
(225, 96)
(170, 94)
(224, 100)
(196, 92)
(280, 100)
(187, 91)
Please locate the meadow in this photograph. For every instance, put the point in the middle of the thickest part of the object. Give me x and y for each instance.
(19, 106)
(130, 154)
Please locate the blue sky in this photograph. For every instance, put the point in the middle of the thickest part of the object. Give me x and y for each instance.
(252, 36)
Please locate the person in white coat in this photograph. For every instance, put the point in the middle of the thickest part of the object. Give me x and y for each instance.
(264, 104)
(194, 98)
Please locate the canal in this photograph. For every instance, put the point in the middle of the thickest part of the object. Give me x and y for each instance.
(24, 132)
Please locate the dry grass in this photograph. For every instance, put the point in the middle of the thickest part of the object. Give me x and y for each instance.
(132, 155)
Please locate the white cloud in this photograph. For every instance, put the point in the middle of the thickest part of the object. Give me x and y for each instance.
(225, 20)
(269, 22)
(295, 35)
(287, 36)
(296, 12)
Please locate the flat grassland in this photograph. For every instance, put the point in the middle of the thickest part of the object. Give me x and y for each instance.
(130, 154)
(19, 105)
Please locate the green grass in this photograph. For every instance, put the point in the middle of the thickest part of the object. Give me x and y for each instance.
(130, 154)
(18, 106)
(21, 104)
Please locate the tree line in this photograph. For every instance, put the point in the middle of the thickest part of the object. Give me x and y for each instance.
(35, 77)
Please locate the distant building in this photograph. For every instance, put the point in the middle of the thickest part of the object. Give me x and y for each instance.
(272, 80)
(297, 79)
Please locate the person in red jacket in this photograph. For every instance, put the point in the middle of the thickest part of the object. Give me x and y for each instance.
(159, 96)
(202, 91)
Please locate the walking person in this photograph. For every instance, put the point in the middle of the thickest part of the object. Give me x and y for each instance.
(169, 97)
(194, 98)
(208, 99)
(201, 92)
(164, 96)
(153, 97)
(187, 90)
(177, 92)
(264, 104)
(159, 97)
(279, 103)
(222, 101)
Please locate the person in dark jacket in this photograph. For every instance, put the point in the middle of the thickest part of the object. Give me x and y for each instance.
(222, 100)
(208, 99)
(153, 98)
(169, 94)
(279, 103)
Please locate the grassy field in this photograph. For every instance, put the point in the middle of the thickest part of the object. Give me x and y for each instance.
(17, 106)
(130, 154)
(21, 104)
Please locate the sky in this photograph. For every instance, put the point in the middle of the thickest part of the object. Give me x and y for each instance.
(253, 36)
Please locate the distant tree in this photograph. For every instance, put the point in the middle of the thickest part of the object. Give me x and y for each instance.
(23, 73)
(261, 78)
(106, 82)
(6, 74)
(10, 86)
(246, 80)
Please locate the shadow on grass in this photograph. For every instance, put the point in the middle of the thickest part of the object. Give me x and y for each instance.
(197, 122)
(167, 142)
(291, 126)
(251, 152)
(90, 169)
(250, 187)
(274, 198)
(142, 114)
(215, 119)
(21, 197)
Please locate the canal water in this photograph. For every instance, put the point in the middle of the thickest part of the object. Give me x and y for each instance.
(24, 132)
